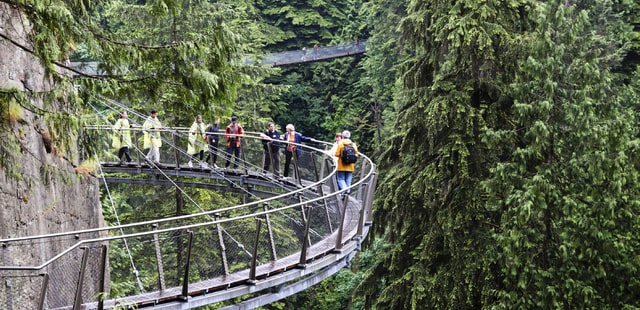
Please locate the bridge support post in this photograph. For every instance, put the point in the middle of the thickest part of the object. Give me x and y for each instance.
(305, 240)
(185, 280)
(43, 291)
(343, 215)
(77, 302)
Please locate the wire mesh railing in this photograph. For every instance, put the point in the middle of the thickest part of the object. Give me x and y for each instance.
(175, 259)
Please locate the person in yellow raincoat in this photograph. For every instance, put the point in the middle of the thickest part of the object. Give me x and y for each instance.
(152, 140)
(197, 141)
(122, 137)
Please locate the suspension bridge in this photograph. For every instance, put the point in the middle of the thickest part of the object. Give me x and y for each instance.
(304, 55)
(284, 235)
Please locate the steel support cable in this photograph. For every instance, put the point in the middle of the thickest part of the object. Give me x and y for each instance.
(188, 196)
(126, 244)
(226, 209)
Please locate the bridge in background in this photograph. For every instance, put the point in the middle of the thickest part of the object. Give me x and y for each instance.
(287, 234)
(306, 55)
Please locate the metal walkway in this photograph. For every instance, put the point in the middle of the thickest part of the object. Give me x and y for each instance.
(288, 235)
(308, 55)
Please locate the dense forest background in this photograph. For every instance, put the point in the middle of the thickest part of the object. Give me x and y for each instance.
(506, 132)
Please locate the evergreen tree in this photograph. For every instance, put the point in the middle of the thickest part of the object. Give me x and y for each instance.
(566, 188)
(516, 188)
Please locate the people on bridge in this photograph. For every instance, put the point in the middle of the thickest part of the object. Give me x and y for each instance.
(233, 133)
(304, 54)
(122, 137)
(197, 141)
(315, 51)
(213, 138)
(152, 140)
(294, 149)
(345, 169)
(271, 144)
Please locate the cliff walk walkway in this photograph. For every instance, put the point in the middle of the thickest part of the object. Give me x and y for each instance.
(270, 238)
(301, 56)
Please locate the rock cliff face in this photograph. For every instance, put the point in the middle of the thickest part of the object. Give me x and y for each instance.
(40, 192)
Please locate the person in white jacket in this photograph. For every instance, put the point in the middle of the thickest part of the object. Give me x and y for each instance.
(197, 141)
(122, 137)
(152, 140)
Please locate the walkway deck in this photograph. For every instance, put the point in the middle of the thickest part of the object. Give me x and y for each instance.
(289, 235)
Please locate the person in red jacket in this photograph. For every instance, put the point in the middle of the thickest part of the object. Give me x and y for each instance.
(233, 133)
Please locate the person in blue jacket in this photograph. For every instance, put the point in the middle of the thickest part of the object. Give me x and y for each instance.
(292, 140)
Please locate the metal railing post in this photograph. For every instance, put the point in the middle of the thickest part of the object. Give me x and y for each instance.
(254, 255)
(242, 158)
(315, 166)
(223, 248)
(43, 291)
(324, 199)
(103, 275)
(342, 218)
(272, 244)
(136, 135)
(371, 195)
(185, 281)
(296, 171)
(362, 213)
(156, 241)
(362, 174)
(305, 239)
(175, 142)
(77, 302)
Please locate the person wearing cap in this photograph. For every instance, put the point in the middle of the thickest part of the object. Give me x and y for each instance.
(197, 141)
(152, 140)
(271, 145)
(345, 171)
(233, 133)
(122, 137)
(294, 148)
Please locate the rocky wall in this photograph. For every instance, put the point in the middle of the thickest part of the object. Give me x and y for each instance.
(40, 192)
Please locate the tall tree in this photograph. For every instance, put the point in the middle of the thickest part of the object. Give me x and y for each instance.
(566, 188)
(504, 198)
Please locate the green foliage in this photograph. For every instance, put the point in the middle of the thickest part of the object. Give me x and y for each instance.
(515, 188)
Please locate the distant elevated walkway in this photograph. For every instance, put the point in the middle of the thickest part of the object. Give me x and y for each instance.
(308, 55)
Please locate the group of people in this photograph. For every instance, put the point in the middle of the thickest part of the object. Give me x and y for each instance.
(206, 138)
(152, 141)
(272, 141)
